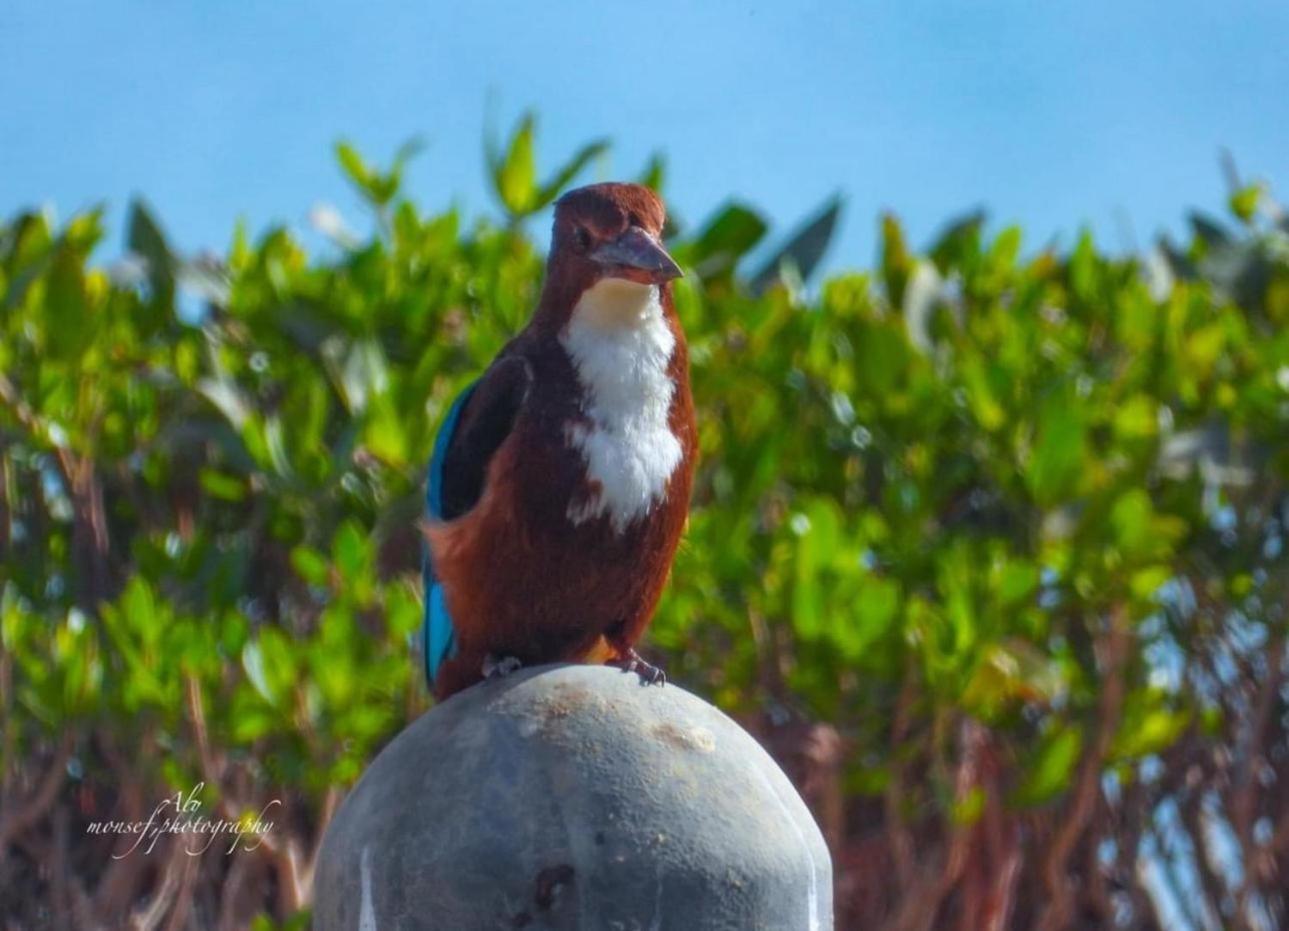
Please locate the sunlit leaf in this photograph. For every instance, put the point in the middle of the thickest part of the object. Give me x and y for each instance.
(1049, 771)
(514, 174)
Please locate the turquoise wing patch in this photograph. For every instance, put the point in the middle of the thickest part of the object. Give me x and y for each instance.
(440, 635)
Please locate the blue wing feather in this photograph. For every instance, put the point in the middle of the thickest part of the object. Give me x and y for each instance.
(440, 635)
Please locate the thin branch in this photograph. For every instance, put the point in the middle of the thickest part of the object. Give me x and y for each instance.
(899, 840)
(922, 903)
(1246, 790)
(20, 409)
(183, 898)
(23, 815)
(1115, 642)
(167, 894)
(230, 895)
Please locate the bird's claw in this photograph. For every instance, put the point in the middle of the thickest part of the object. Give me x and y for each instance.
(498, 667)
(649, 673)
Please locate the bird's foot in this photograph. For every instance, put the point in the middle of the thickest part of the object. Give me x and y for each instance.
(649, 674)
(498, 667)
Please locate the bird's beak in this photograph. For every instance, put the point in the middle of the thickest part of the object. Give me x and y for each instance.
(637, 256)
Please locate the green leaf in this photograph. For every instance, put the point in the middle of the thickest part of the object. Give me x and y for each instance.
(571, 169)
(958, 244)
(69, 324)
(1003, 253)
(352, 551)
(222, 485)
(278, 656)
(311, 565)
(897, 264)
(1017, 583)
(1146, 583)
(1132, 519)
(403, 611)
(1059, 452)
(144, 238)
(1008, 672)
(141, 612)
(818, 530)
(876, 609)
(983, 396)
(654, 174)
(1049, 769)
(1147, 730)
(376, 187)
(1208, 230)
(253, 664)
(804, 250)
(1244, 202)
(1084, 270)
(515, 175)
(1137, 418)
(249, 718)
(724, 240)
(354, 167)
(968, 809)
(384, 435)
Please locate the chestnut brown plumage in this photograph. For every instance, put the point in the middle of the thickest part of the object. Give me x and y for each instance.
(563, 477)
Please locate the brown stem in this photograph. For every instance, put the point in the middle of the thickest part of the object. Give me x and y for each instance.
(294, 879)
(4, 506)
(230, 896)
(20, 409)
(1188, 806)
(8, 765)
(23, 815)
(1002, 835)
(117, 887)
(1245, 789)
(1114, 643)
(183, 898)
(167, 894)
(769, 666)
(90, 539)
(899, 840)
(330, 802)
(922, 903)
(293, 889)
(58, 871)
(197, 714)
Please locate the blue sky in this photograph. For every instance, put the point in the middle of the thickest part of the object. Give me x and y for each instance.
(1049, 114)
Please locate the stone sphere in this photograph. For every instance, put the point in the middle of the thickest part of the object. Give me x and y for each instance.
(573, 797)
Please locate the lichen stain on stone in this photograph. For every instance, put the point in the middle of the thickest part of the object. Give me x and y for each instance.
(692, 738)
(546, 714)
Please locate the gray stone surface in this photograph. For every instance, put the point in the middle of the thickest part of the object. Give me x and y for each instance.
(573, 797)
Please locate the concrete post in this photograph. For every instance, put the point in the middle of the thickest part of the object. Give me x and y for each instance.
(573, 797)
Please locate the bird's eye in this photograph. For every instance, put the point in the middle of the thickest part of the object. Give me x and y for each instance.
(582, 237)
(634, 220)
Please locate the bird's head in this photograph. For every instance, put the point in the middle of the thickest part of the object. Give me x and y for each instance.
(607, 246)
(612, 231)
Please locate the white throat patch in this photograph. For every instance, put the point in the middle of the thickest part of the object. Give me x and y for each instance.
(621, 345)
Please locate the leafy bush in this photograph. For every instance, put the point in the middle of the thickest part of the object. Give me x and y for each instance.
(987, 545)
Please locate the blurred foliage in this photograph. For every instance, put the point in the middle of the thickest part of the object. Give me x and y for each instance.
(974, 485)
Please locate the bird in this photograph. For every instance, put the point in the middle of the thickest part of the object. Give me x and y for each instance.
(559, 481)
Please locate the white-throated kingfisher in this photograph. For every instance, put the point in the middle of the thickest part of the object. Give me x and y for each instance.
(559, 483)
